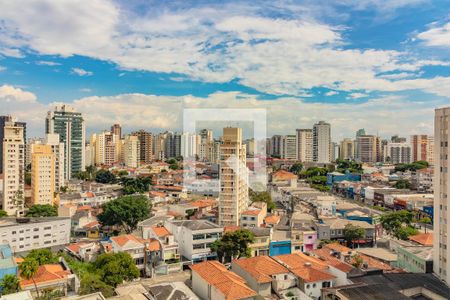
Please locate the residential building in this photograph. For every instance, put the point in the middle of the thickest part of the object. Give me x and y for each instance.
(29, 148)
(43, 165)
(131, 151)
(34, 233)
(397, 153)
(422, 147)
(303, 232)
(146, 146)
(333, 229)
(322, 142)
(416, 259)
(189, 145)
(253, 217)
(289, 147)
(173, 145)
(347, 149)
(369, 148)
(205, 142)
(170, 290)
(159, 146)
(194, 238)
(169, 246)
(106, 149)
(13, 167)
(304, 149)
(52, 139)
(84, 251)
(116, 129)
(11, 122)
(70, 126)
(8, 265)
(275, 146)
(335, 150)
(233, 196)
(213, 281)
(441, 224)
(264, 274)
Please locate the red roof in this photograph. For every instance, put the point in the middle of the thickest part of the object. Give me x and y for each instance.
(46, 274)
(425, 239)
(261, 268)
(253, 212)
(160, 231)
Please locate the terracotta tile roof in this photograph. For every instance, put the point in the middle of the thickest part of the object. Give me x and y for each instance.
(19, 260)
(375, 263)
(91, 225)
(338, 247)
(160, 231)
(272, 220)
(311, 274)
(230, 228)
(90, 195)
(231, 285)
(298, 260)
(46, 274)
(425, 239)
(168, 187)
(252, 212)
(324, 254)
(154, 245)
(283, 175)
(84, 207)
(261, 268)
(157, 194)
(203, 203)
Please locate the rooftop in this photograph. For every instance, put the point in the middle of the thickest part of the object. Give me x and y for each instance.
(196, 224)
(9, 221)
(425, 239)
(261, 268)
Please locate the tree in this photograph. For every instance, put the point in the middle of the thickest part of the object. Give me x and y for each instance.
(9, 284)
(262, 197)
(28, 269)
(138, 185)
(28, 178)
(122, 173)
(3, 213)
(350, 166)
(105, 176)
(92, 283)
(357, 261)
(296, 168)
(404, 232)
(125, 211)
(173, 166)
(42, 210)
(395, 222)
(114, 268)
(402, 184)
(233, 245)
(42, 256)
(352, 232)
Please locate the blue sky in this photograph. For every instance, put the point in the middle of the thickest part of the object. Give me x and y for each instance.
(382, 65)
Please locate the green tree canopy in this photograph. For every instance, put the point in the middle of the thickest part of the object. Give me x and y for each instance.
(125, 212)
(398, 223)
(137, 185)
(42, 256)
(263, 196)
(3, 213)
(417, 165)
(114, 268)
(28, 269)
(296, 168)
(233, 245)
(352, 232)
(42, 210)
(105, 176)
(402, 184)
(314, 171)
(92, 283)
(346, 165)
(9, 284)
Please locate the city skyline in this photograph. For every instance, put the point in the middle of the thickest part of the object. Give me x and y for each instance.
(149, 60)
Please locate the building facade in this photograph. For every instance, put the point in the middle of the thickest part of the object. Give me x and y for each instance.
(441, 226)
(304, 145)
(347, 149)
(322, 142)
(289, 147)
(42, 175)
(131, 151)
(397, 153)
(422, 147)
(369, 148)
(233, 196)
(70, 126)
(145, 145)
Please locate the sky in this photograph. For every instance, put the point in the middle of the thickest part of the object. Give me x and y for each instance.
(379, 65)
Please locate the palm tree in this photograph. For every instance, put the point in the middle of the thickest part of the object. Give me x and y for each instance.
(9, 284)
(28, 269)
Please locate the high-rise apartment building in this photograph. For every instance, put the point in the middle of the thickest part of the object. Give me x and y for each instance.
(347, 149)
(189, 145)
(70, 126)
(42, 174)
(289, 147)
(441, 182)
(146, 146)
(116, 129)
(304, 145)
(3, 120)
(359, 132)
(397, 153)
(173, 145)
(131, 151)
(233, 196)
(335, 150)
(13, 166)
(276, 145)
(322, 142)
(205, 145)
(369, 148)
(57, 148)
(422, 147)
(106, 149)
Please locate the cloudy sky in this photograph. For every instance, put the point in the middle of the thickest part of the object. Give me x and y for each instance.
(379, 65)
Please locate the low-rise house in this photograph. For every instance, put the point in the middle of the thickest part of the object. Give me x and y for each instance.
(252, 217)
(213, 281)
(169, 247)
(422, 180)
(194, 238)
(271, 221)
(261, 244)
(333, 229)
(51, 277)
(418, 259)
(303, 233)
(8, 265)
(264, 274)
(171, 290)
(312, 274)
(284, 177)
(84, 251)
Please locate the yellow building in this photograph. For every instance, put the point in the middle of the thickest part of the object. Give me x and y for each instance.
(42, 175)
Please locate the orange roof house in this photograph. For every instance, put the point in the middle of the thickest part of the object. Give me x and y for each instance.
(160, 231)
(261, 268)
(47, 276)
(425, 239)
(222, 282)
(283, 175)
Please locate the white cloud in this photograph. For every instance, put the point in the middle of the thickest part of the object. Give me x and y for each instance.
(10, 93)
(436, 36)
(401, 75)
(212, 44)
(47, 63)
(357, 95)
(2, 68)
(81, 72)
(331, 93)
